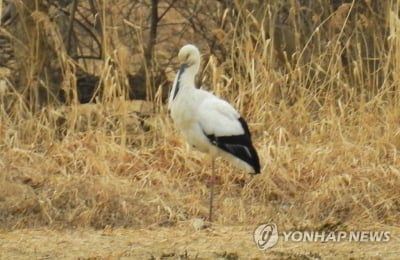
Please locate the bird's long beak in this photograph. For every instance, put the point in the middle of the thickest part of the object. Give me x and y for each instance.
(183, 67)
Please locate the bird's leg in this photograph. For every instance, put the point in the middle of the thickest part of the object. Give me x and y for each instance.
(212, 180)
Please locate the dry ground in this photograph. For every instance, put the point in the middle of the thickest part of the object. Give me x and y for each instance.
(180, 242)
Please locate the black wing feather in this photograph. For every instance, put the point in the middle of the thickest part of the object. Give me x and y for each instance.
(238, 145)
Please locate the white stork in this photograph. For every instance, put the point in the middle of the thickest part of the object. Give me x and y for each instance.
(208, 123)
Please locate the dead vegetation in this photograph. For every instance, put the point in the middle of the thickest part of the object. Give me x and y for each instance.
(220, 242)
(323, 110)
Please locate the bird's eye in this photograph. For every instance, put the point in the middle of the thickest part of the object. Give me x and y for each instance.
(187, 56)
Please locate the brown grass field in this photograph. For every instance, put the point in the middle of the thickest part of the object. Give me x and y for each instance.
(115, 180)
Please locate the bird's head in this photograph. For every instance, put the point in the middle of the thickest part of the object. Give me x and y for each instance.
(189, 55)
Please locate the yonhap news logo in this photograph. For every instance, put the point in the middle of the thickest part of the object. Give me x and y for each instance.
(266, 236)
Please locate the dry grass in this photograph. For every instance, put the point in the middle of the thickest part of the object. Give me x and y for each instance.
(328, 146)
(179, 243)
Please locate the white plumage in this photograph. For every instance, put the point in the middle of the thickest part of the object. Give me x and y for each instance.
(209, 124)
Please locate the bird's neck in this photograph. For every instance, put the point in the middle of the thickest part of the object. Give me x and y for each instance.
(184, 81)
(187, 80)
(187, 77)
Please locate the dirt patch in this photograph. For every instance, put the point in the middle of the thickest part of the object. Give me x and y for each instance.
(179, 242)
